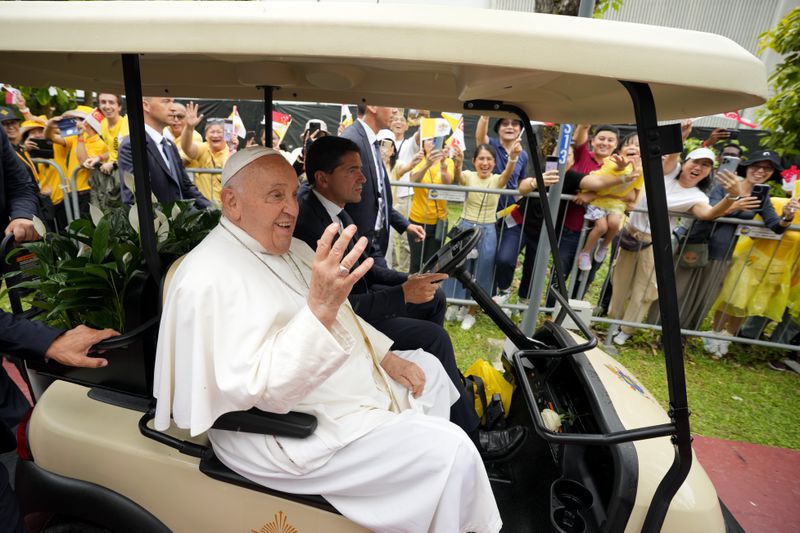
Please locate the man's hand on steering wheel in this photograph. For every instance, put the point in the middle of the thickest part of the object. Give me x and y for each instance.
(420, 288)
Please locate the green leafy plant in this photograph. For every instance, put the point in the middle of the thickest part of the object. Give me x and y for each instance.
(82, 274)
(780, 114)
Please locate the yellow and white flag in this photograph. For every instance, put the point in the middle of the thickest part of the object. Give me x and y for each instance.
(238, 125)
(456, 121)
(430, 128)
(345, 117)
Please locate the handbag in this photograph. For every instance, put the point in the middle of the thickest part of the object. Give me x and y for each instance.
(483, 381)
(455, 231)
(630, 243)
(441, 230)
(694, 255)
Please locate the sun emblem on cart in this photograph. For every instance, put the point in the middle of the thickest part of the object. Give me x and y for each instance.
(632, 383)
(279, 524)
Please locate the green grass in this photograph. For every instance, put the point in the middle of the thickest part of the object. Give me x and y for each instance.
(738, 398)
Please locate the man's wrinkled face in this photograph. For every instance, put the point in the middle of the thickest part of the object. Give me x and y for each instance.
(399, 125)
(604, 143)
(109, 105)
(177, 116)
(263, 202)
(345, 184)
(158, 109)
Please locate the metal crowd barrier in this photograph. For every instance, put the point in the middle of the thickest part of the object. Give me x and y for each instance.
(578, 279)
(70, 201)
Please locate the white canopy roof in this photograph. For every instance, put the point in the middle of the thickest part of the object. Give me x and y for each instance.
(557, 68)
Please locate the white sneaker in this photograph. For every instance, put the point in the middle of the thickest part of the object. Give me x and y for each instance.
(710, 345)
(468, 322)
(722, 346)
(502, 297)
(601, 251)
(451, 313)
(584, 261)
(621, 338)
(463, 312)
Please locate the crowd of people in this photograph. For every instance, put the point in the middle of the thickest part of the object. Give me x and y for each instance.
(605, 222)
(338, 232)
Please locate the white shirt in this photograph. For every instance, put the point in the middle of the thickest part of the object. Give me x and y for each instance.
(406, 150)
(332, 209)
(679, 198)
(157, 136)
(380, 220)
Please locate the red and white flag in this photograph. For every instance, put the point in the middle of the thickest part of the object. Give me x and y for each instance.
(280, 123)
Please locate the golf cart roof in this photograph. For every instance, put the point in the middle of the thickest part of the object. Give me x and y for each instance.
(556, 68)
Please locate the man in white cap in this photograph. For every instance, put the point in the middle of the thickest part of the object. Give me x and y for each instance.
(254, 318)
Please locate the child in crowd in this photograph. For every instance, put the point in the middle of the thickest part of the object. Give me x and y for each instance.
(607, 210)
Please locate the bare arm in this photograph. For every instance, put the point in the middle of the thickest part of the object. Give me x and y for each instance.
(52, 133)
(513, 156)
(482, 130)
(581, 134)
(188, 146)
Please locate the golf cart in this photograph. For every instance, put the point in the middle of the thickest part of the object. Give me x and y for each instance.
(89, 456)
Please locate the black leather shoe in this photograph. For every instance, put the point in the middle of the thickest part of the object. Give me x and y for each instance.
(500, 445)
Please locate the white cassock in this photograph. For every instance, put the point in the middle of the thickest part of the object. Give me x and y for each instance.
(236, 332)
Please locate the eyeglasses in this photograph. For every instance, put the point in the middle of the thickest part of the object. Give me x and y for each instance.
(179, 117)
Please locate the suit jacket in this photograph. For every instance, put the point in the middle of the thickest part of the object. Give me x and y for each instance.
(365, 212)
(375, 297)
(18, 192)
(163, 185)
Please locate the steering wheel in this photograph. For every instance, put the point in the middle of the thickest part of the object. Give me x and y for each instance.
(452, 254)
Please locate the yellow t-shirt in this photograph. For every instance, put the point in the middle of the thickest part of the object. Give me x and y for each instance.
(113, 136)
(610, 198)
(423, 209)
(209, 185)
(480, 207)
(66, 157)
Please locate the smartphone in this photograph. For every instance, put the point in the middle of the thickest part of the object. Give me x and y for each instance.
(438, 143)
(733, 134)
(44, 149)
(551, 163)
(68, 127)
(761, 191)
(228, 130)
(313, 126)
(729, 163)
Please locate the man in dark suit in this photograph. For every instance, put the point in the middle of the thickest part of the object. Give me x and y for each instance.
(374, 213)
(395, 303)
(23, 338)
(168, 179)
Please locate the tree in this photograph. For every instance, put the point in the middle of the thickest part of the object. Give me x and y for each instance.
(48, 101)
(570, 7)
(780, 115)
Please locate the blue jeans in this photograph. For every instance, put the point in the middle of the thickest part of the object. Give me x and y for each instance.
(507, 254)
(482, 267)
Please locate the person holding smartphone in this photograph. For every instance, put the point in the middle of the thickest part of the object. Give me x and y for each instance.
(699, 287)
(426, 211)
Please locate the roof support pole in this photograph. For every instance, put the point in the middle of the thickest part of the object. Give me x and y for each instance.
(268, 95)
(143, 193)
(651, 140)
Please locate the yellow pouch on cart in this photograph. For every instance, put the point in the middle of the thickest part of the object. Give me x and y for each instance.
(493, 382)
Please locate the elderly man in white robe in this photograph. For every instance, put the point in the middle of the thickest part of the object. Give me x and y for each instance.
(254, 318)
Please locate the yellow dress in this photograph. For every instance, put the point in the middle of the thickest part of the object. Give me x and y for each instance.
(764, 275)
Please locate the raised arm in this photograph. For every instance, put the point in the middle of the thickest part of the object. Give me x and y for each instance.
(482, 130)
(188, 146)
(670, 161)
(581, 134)
(52, 133)
(513, 156)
